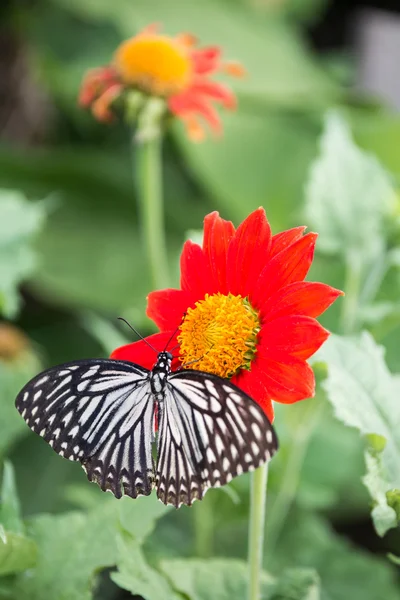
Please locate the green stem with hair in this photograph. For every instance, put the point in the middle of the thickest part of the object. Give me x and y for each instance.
(148, 163)
(283, 501)
(258, 500)
(349, 318)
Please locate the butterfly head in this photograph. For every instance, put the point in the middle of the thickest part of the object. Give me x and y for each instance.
(164, 362)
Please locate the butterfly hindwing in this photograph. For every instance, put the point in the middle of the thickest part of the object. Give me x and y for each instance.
(100, 413)
(209, 432)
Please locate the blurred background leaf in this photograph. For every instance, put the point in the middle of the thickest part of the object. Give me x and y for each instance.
(357, 370)
(19, 222)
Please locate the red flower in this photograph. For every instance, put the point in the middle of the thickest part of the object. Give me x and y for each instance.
(243, 310)
(172, 68)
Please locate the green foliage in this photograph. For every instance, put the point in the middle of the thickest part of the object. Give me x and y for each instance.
(137, 576)
(94, 547)
(296, 584)
(348, 197)
(13, 376)
(17, 551)
(357, 370)
(218, 578)
(20, 221)
(226, 579)
(308, 542)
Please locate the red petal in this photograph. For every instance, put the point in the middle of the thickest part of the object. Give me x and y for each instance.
(282, 240)
(295, 336)
(288, 380)
(195, 275)
(252, 383)
(290, 265)
(299, 298)
(139, 352)
(214, 90)
(217, 236)
(167, 307)
(206, 60)
(190, 103)
(248, 253)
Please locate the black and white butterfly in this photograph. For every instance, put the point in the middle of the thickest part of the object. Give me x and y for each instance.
(103, 413)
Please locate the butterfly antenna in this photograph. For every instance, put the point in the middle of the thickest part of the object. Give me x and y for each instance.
(138, 334)
(171, 338)
(183, 366)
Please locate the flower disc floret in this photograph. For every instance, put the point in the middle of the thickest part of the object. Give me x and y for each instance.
(157, 64)
(219, 335)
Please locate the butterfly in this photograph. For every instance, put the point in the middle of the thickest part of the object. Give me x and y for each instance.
(104, 414)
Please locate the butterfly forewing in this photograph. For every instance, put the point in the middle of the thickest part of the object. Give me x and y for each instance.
(210, 431)
(101, 413)
(98, 412)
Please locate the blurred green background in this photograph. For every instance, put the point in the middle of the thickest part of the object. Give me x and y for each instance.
(72, 260)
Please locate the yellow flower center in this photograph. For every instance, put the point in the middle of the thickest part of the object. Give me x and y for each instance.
(157, 64)
(219, 335)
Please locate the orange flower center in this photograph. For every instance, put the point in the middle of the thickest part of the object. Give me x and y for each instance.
(219, 335)
(158, 64)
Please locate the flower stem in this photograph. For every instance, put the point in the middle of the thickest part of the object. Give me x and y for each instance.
(149, 181)
(374, 279)
(302, 434)
(350, 304)
(204, 527)
(256, 529)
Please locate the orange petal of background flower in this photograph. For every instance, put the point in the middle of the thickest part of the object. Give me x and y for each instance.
(216, 91)
(206, 60)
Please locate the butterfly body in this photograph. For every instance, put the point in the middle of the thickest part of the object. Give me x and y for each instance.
(159, 374)
(102, 414)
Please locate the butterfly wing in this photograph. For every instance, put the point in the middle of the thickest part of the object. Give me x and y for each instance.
(210, 431)
(100, 413)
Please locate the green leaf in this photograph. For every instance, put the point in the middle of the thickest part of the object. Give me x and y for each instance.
(394, 559)
(225, 579)
(348, 195)
(137, 576)
(17, 552)
(139, 518)
(91, 250)
(20, 221)
(309, 542)
(297, 584)
(364, 394)
(13, 376)
(72, 548)
(10, 511)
